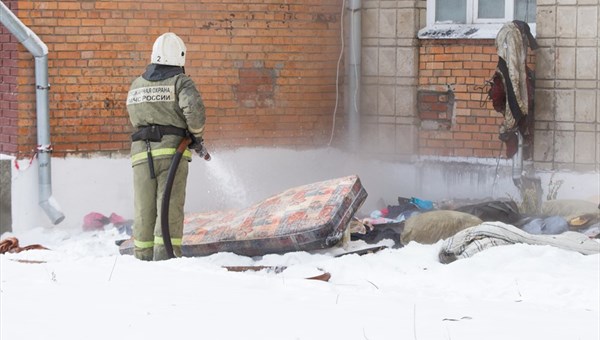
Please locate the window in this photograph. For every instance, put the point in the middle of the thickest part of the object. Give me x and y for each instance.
(451, 11)
(525, 10)
(479, 11)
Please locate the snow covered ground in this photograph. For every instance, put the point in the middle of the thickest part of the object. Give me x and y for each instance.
(83, 289)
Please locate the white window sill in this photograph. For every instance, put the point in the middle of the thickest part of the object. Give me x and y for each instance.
(456, 31)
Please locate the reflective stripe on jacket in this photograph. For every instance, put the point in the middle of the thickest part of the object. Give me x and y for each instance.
(157, 153)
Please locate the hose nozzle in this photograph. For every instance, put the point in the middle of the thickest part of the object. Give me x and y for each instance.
(204, 153)
(198, 145)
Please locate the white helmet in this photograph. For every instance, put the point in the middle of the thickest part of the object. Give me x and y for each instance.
(168, 49)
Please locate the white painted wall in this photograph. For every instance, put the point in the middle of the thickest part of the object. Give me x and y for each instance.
(236, 179)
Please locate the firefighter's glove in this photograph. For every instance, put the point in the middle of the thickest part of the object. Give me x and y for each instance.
(197, 145)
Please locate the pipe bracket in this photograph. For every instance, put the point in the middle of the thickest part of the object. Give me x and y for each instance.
(45, 148)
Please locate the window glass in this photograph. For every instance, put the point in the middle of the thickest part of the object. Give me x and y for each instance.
(525, 10)
(490, 9)
(454, 11)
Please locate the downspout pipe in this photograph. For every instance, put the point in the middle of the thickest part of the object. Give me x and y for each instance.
(517, 167)
(39, 50)
(354, 71)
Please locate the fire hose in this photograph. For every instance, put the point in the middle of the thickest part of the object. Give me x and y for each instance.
(164, 215)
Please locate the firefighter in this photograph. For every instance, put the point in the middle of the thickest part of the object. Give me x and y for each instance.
(164, 107)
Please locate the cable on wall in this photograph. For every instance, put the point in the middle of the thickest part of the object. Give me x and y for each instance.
(337, 73)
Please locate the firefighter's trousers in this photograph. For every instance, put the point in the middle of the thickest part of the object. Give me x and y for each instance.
(148, 196)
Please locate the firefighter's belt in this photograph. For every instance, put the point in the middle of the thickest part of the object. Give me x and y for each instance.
(154, 133)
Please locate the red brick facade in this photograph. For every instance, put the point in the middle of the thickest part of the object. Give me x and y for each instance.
(8, 89)
(468, 125)
(266, 70)
(461, 68)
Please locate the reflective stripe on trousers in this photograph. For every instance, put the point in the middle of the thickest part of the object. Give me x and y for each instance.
(157, 240)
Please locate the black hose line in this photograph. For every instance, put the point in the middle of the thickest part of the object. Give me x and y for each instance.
(164, 214)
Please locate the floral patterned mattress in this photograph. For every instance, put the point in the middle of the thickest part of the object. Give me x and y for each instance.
(308, 217)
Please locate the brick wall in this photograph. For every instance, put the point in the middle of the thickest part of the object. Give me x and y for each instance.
(460, 68)
(466, 126)
(266, 70)
(8, 87)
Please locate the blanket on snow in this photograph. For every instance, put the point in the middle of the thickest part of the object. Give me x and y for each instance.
(471, 241)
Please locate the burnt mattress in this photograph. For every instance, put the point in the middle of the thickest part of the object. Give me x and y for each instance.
(307, 217)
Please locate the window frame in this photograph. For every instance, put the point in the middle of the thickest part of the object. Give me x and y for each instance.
(472, 10)
(485, 28)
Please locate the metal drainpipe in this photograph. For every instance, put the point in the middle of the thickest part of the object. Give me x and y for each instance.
(354, 70)
(40, 52)
(517, 167)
